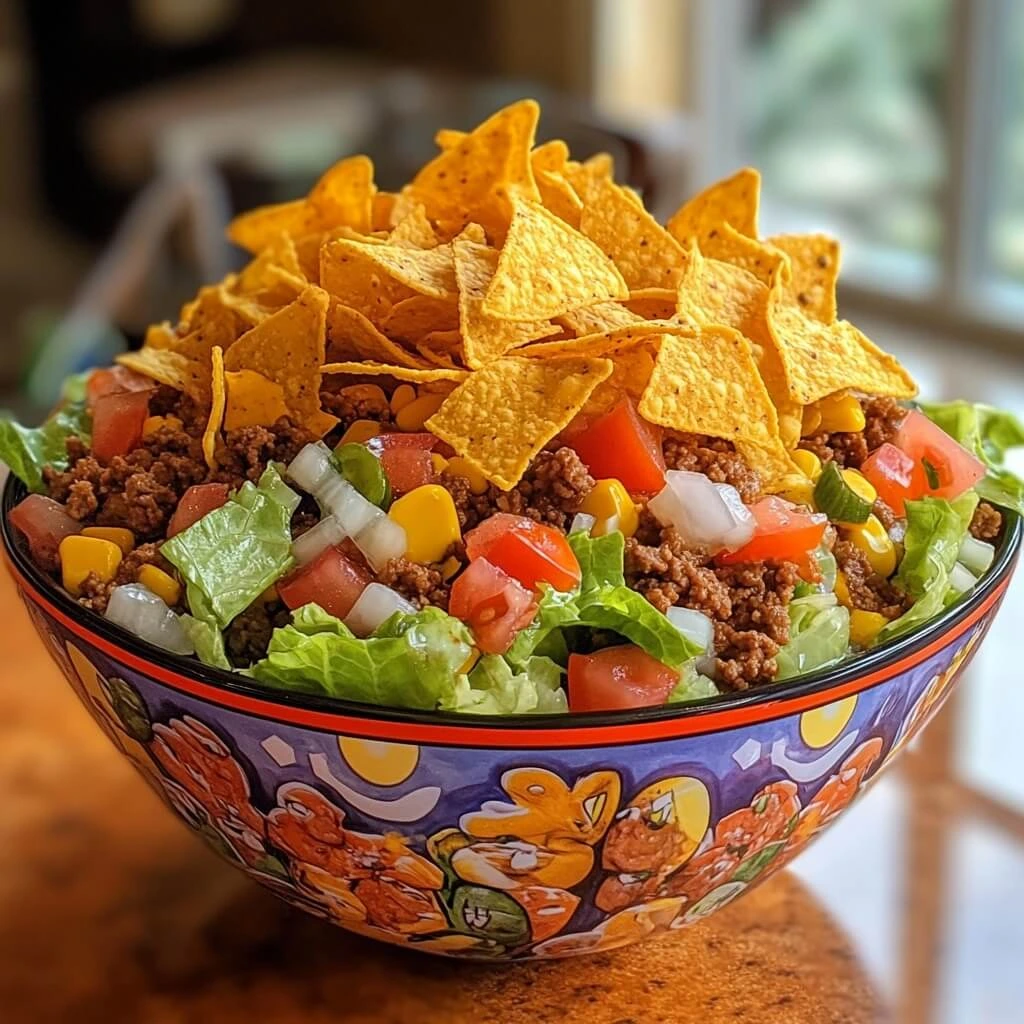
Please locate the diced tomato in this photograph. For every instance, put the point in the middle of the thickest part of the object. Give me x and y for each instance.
(195, 503)
(618, 678)
(782, 534)
(117, 420)
(622, 445)
(331, 580)
(943, 468)
(492, 604)
(891, 473)
(407, 468)
(115, 380)
(526, 550)
(384, 442)
(45, 523)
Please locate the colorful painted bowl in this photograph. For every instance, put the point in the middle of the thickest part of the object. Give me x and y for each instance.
(506, 839)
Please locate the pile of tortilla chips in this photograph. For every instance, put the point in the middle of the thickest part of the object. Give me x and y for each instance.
(533, 289)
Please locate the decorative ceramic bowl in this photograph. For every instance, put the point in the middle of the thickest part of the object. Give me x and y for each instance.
(506, 839)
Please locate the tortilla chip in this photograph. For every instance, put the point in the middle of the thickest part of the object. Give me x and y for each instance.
(307, 250)
(360, 274)
(761, 259)
(216, 418)
(581, 176)
(652, 303)
(249, 310)
(414, 230)
(630, 376)
(437, 357)
(415, 317)
(288, 348)
(733, 200)
(252, 400)
(550, 156)
(713, 292)
(558, 196)
(814, 262)
(445, 341)
(257, 228)
(484, 337)
(604, 316)
(774, 465)
(172, 368)
(405, 373)
(502, 415)
(161, 335)
(446, 138)
(607, 343)
(547, 269)
(344, 195)
(646, 254)
(381, 207)
(351, 335)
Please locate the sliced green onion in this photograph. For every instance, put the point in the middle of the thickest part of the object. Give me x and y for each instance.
(837, 499)
(362, 469)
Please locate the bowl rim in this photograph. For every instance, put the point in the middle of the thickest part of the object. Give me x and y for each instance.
(811, 690)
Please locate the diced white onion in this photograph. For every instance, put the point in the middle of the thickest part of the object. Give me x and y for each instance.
(694, 625)
(706, 665)
(338, 498)
(582, 523)
(141, 612)
(325, 534)
(705, 513)
(961, 580)
(976, 555)
(375, 605)
(312, 467)
(381, 541)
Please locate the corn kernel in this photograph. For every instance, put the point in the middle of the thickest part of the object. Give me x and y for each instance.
(843, 591)
(360, 431)
(871, 538)
(449, 567)
(80, 556)
(610, 498)
(373, 394)
(418, 411)
(470, 662)
(865, 627)
(464, 468)
(841, 413)
(166, 587)
(151, 424)
(269, 596)
(799, 492)
(811, 422)
(809, 464)
(439, 462)
(118, 535)
(431, 524)
(860, 485)
(402, 396)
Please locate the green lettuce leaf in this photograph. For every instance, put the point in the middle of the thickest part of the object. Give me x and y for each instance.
(413, 661)
(692, 686)
(819, 635)
(543, 636)
(601, 559)
(988, 433)
(494, 688)
(231, 555)
(28, 450)
(75, 386)
(208, 641)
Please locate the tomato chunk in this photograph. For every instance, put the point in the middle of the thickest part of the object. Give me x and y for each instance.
(618, 678)
(622, 445)
(117, 420)
(195, 503)
(782, 534)
(44, 523)
(943, 468)
(385, 442)
(407, 468)
(331, 580)
(526, 551)
(492, 604)
(891, 472)
(114, 380)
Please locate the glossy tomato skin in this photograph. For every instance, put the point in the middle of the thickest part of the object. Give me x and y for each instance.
(195, 503)
(117, 421)
(525, 550)
(617, 679)
(114, 380)
(954, 468)
(331, 580)
(407, 468)
(492, 604)
(891, 472)
(622, 445)
(44, 523)
(385, 442)
(783, 534)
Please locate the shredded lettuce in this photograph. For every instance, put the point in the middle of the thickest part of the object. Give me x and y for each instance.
(208, 641)
(413, 660)
(601, 559)
(543, 636)
(692, 686)
(494, 688)
(231, 555)
(988, 433)
(28, 450)
(819, 635)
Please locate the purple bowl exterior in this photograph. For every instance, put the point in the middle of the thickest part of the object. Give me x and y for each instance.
(504, 854)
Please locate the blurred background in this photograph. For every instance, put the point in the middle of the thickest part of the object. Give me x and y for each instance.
(131, 130)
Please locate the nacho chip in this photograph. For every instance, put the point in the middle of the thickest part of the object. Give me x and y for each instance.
(216, 418)
(814, 262)
(558, 196)
(414, 318)
(733, 200)
(547, 269)
(502, 415)
(713, 292)
(484, 337)
(161, 335)
(607, 343)
(630, 376)
(351, 335)
(256, 229)
(550, 156)
(603, 316)
(414, 230)
(774, 465)
(288, 348)
(252, 400)
(646, 254)
(761, 259)
(445, 341)
(344, 195)
(307, 251)
(447, 138)
(652, 303)
(437, 357)
(172, 368)
(600, 167)
(381, 207)
(249, 310)
(405, 373)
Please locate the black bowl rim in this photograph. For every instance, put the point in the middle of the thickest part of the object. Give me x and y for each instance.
(813, 684)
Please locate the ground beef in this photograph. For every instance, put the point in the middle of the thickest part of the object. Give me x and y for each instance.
(246, 451)
(885, 515)
(420, 584)
(716, 459)
(868, 591)
(166, 401)
(845, 449)
(884, 416)
(987, 523)
(850, 449)
(247, 637)
(744, 657)
(95, 593)
(356, 402)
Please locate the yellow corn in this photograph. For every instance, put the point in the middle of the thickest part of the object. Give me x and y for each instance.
(843, 591)
(370, 393)
(809, 463)
(360, 431)
(449, 567)
(269, 596)
(464, 468)
(439, 462)
(470, 661)
(840, 413)
(418, 411)
(402, 396)
(811, 422)
(871, 538)
(800, 492)
(151, 424)
(118, 535)
(610, 498)
(431, 524)
(860, 485)
(167, 588)
(865, 627)
(80, 556)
